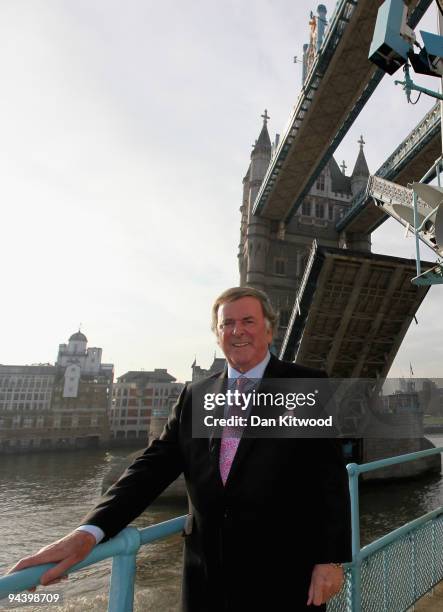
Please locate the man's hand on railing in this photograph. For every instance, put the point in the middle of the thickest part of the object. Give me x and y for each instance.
(326, 581)
(66, 552)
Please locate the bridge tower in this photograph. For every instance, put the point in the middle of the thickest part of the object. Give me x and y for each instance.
(272, 255)
(359, 177)
(255, 230)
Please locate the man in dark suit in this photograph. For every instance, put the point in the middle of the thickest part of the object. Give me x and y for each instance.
(269, 518)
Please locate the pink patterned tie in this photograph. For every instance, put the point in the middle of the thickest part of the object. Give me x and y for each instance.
(229, 444)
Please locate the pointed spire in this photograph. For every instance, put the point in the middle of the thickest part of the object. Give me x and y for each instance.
(339, 181)
(361, 166)
(263, 142)
(194, 363)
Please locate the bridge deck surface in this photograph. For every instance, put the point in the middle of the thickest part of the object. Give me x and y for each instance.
(431, 603)
(352, 312)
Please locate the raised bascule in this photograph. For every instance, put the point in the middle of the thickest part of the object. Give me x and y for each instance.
(306, 224)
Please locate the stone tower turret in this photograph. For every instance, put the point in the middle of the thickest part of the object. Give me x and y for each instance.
(360, 174)
(260, 158)
(258, 229)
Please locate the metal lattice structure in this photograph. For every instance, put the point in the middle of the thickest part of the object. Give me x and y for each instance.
(396, 199)
(395, 571)
(396, 576)
(409, 162)
(416, 153)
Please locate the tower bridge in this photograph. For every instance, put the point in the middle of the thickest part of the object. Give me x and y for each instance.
(295, 192)
(306, 224)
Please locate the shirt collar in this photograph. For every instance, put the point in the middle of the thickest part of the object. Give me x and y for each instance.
(254, 373)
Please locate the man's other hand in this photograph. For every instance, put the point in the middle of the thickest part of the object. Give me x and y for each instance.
(326, 581)
(66, 552)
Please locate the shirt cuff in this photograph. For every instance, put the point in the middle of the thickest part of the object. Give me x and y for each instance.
(98, 533)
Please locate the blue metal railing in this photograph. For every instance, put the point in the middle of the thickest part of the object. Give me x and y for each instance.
(388, 575)
(123, 551)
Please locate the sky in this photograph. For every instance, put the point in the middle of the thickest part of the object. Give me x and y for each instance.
(126, 129)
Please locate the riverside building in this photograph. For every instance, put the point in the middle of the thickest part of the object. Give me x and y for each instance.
(141, 403)
(61, 406)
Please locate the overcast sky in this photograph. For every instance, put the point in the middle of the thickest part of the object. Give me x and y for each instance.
(126, 129)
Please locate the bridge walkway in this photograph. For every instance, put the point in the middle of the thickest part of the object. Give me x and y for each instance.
(431, 602)
(409, 162)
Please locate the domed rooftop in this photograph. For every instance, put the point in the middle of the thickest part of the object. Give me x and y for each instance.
(78, 337)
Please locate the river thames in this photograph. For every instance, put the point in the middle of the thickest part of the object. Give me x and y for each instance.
(43, 496)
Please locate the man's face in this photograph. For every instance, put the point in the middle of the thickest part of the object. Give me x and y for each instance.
(242, 333)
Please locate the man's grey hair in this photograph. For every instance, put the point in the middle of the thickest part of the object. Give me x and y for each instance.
(236, 293)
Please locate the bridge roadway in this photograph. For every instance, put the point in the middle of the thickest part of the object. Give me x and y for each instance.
(340, 82)
(409, 162)
(351, 312)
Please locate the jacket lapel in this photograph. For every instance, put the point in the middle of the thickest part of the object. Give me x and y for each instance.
(219, 386)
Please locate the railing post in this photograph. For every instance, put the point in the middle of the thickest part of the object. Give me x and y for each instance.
(355, 523)
(417, 239)
(121, 588)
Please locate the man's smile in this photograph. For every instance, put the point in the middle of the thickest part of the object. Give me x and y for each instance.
(244, 334)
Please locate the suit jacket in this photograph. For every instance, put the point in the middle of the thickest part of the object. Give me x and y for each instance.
(251, 544)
